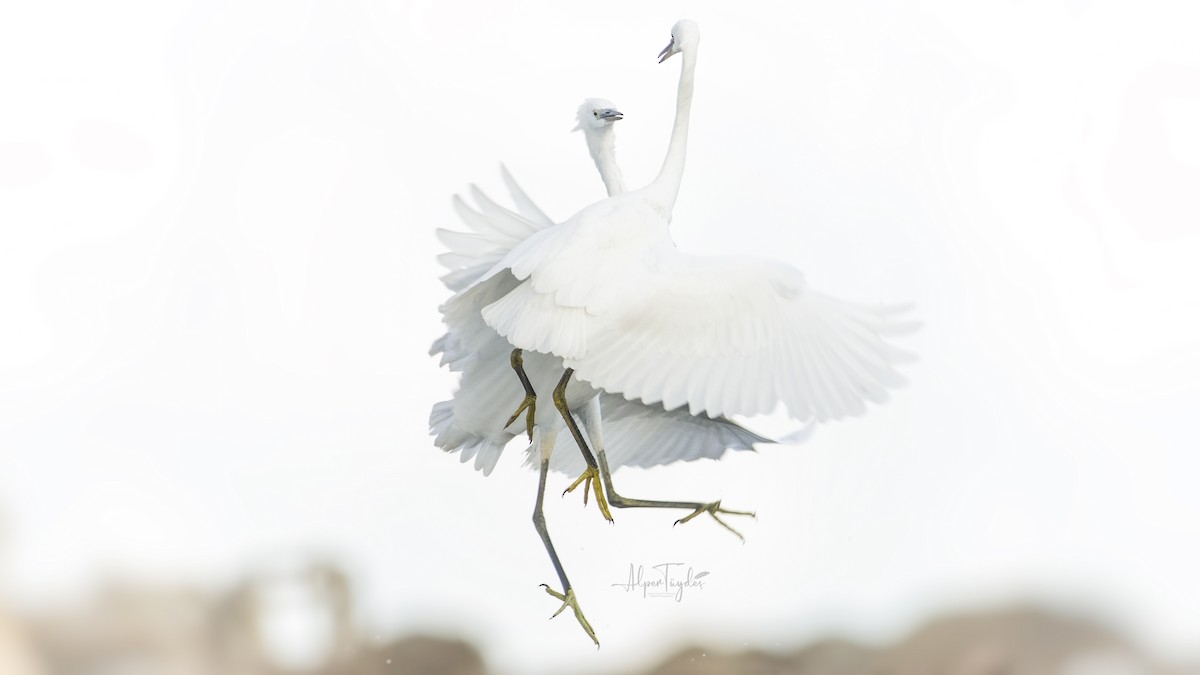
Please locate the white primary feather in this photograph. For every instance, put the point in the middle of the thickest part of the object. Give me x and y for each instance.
(728, 336)
(636, 434)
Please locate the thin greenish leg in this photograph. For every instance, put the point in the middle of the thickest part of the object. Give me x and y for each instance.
(568, 595)
(529, 405)
(590, 478)
(592, 422)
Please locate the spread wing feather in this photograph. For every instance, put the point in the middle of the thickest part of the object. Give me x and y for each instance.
(646, 436)
(722, 335)
(730, 336)
(493, 231)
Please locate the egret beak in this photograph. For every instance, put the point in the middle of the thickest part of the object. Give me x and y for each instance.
(667, 51)
(609, 114)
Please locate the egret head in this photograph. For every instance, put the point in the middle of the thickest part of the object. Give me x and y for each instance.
(597, 115)
(685, 35)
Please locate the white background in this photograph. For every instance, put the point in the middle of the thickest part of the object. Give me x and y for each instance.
(218, 287)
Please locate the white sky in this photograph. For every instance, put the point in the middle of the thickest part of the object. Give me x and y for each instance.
(218, 286)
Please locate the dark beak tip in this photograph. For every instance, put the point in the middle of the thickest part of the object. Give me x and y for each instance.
(666, 52)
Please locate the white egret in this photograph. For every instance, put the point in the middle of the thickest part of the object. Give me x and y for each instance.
(609, 293)
(645, 435)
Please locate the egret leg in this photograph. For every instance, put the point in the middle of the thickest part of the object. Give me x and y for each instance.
(529, 405)
(568, 595)
(590, 478)
(591, 420)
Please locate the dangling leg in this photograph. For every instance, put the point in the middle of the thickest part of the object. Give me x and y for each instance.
(529, 405)
(590, 417)
(590, 478)
(544, 448)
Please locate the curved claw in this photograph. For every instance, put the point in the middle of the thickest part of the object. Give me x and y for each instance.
(529, 407)
(590, 479)
(569, 601)
(713, 509)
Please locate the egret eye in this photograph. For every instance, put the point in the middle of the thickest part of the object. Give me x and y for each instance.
(595, 113)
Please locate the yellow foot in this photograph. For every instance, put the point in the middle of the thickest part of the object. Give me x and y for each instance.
(570, 601)
(713, 509)
(590, 479)
(529, 407)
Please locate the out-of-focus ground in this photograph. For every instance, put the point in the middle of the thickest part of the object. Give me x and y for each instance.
(177, 630)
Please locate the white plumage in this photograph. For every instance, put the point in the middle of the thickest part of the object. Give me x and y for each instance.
(609, 293)
(634, 433)
(659, 343)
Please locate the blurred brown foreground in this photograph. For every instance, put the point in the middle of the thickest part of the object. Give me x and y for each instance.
(180, 631)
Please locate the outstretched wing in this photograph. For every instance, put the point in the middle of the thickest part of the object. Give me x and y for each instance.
(646, 436)
(635, 434)
(525, 206)
(738, 336)
(493, 231)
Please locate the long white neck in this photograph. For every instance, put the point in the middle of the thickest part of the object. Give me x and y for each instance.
(666, 185)
(603, 147)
